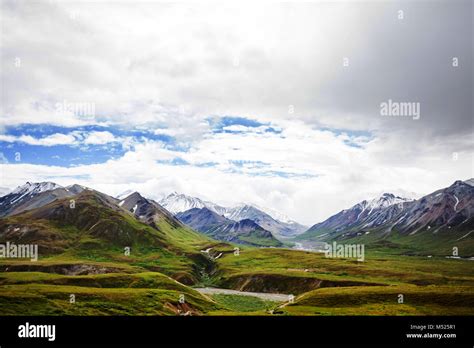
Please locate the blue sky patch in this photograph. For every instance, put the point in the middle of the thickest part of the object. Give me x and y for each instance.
(248, 164)
(60, 155)
(207, 164)
(220, 125)
(44, 130)
(177, 161)
(352, 134)
(77, 153)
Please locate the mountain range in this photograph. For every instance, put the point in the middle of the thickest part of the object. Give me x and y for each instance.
(438, 221)
(217, 226)
(442, 219)
(30, 197)
(278, 224)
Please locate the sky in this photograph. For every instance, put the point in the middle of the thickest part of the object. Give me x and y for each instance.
(271, 103)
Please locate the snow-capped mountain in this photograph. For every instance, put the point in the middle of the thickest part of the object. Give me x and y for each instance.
(178, 203)
(278, 228)
(469, 182)
(368, 213)
(449, 210)
(276, 214)
(33, 195)
(34, 188)
(30, 196)
(385, 200)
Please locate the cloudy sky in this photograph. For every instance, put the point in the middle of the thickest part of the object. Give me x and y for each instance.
(270, 103)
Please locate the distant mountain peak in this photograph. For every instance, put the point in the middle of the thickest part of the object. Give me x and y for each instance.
(124, 194)
(386, 199)
(76, 189)
(36, 187)
(469, 182)
(177, 194)
(133, 196)
(219, 227)
(277, 215)
(178, 202)
(76, 185)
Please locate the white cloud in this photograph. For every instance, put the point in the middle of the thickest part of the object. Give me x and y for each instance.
(72, 138)
(344, 175)
(190, 65)
(50, 140)
(245, 129)
(99, 138)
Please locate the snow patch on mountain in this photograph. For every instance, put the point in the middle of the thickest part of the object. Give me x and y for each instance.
(178, 203)
(276, 215)
(37, 187)
(124, 194)
(30, 189)
(383, 201)
(238, 213)
(470, 182)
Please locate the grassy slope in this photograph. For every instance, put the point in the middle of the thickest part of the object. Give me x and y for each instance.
(377, 268)
(242, 305)
(430, 286)
(149, 293)
(426, 300)
(94, 232)
(421, 243)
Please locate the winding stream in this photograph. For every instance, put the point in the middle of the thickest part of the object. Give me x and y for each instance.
(262, 295)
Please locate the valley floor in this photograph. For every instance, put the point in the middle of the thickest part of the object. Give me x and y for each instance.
(254, 282)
